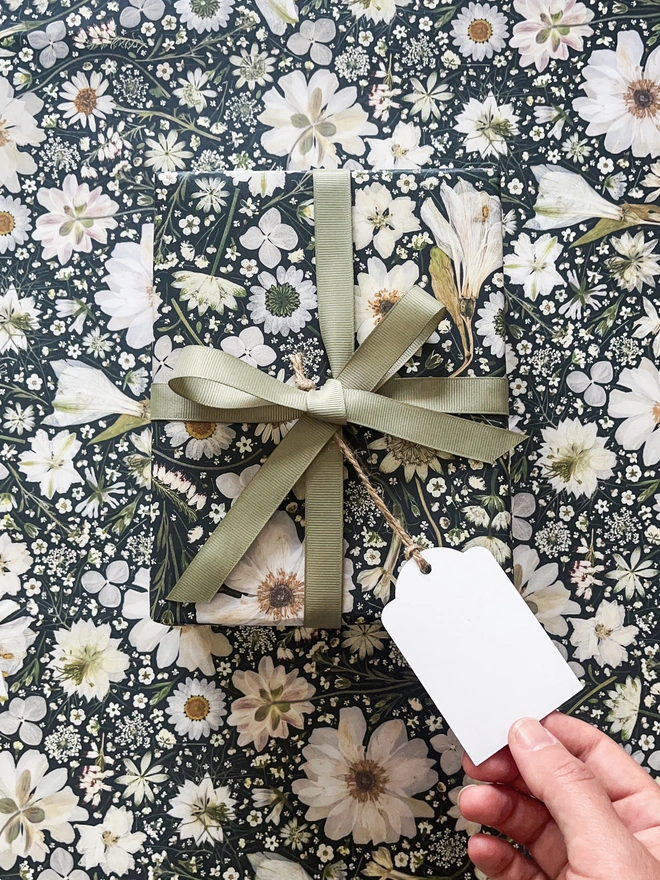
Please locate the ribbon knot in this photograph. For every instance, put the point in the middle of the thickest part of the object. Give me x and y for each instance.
(211, 385)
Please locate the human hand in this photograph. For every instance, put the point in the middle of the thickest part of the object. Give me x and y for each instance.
(582, 807)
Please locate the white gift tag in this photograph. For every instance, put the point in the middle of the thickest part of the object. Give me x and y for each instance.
(476, 647)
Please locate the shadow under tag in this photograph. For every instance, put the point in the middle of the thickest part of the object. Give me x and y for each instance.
(476, 647)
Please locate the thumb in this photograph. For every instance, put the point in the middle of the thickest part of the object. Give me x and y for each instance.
(574, 797)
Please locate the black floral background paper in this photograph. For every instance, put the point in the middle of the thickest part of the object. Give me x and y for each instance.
(135, 749)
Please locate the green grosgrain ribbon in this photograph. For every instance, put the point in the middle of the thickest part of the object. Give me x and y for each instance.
(210, 385)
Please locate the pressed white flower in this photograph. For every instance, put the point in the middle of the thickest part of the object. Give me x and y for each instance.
(233, 485)
(380, 218)
(167, 153)
(272, 866)
(51, 43)
(278, 14)
(622, 97)
(253, 68)
(14, 223)
(85, 100)
(603, 637)
(565, 198)
(312, 37)
(77, 217)
(273, 701)
(35, 802)
(85, 394)
(649, 326)
(364, 638)
(470, 235)
(193, 90)
(451, 752)
(283, 302)
(130, 299)
(18, 128)
(107, 586)
(623, 704)
(204, 292)
(545, 595)
(211, 195)
(20, 716)
(14, 561)
(639, 407)
(532, 264)
(138, 781)
(573, 457)
(377, 290)
(479, 30)
(427, 99)
(15, 639)
(652, 180)
(491, 324)
(131, 15)
(18, 316)
(190, 647)
(376, 10)
(209, 15)
(196, 708)
(486, 126)
(413, 458)
(308, 119)
(110, 845)
(202, 810)
(50, 462)
(631, 576)
(249, 346)
(139, 462)
(367, 791)
(523, 505)
(637, 263)
(495, 546)
(401, 150)
(463, 824)
(261, 183)
(591, 386)
(206, 439)
(550, 29)
(86, 660)
(269, 236)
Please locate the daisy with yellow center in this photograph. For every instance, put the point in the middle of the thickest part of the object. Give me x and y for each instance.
(85, 101)
(196, 708)
(14, 223)
(206, 439)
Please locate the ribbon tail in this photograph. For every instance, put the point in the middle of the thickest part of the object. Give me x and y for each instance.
(324, 539)
(483, 395)
(233, 537)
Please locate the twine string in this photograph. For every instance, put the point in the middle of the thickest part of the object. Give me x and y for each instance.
(412, 550)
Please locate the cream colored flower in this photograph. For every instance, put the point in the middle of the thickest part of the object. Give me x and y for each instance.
(623, 704)
(378, 290)
(86, 660)
(603, 637)
(413, 458)
(202, 810)
(573, 457)
(546, 596)
(204, 292)
(206, 439)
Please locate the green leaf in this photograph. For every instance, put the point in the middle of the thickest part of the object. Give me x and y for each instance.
(123, 424)
(650, 490)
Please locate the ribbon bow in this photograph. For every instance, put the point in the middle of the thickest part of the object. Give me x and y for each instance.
(210, 385)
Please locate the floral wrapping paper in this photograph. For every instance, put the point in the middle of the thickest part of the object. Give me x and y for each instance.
(139, 750)
(235, 269)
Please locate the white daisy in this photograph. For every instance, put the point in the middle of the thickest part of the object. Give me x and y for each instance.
(130, 299)
(376, 10)
(193, 90)
(204, 15)
(18, 315)
(273, 700)
(546, 596)
(86, 660)
(308, 119)
(622, 97)
(413, 458)
(77, 217)
(532, 264)
(630, 576)
(36, 803)
(486, 126)
(573, 457)
(206, 439)
(85, 101)
(211, 195)
(167, 153)
(367, 791)
(401, 150)
(253, 68)
(649, 326)
(18, 128)
(50, 462)
(377, 290)
(14, 561)
(623, 704)
(479, 30)
(282, 302)
(491, 324)
(269, 236)
(202, 810)
(380, 218)
(14, 223)
(196, 708)
(110, 845)
(603, 637)
(637, 263)
(204, 292)
(639, 407)
(550, 29)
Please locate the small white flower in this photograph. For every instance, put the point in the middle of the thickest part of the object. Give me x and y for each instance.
(107, 586)
(18, 316)
(193, 90)
(401, 150)
(20, 716)
(208, 16)
(637, 265)
(202, 810)
(381, 219)
(532, 264)
(649, 326)
(51, 43)
(50, 462)
(14, 223)
(630, 576)
(204, 292)
(591, 386)
(603, 637)
(269, 236)
(86, 660)
(85, 101)
(486, 126)
(111, 844)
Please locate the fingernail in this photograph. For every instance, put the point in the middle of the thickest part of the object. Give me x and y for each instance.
(530, 734)
(462, 792)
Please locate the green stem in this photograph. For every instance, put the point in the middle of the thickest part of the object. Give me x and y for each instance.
(584, 697)
(225, 234)
(185, 322)
(177, 122)
(429, 517)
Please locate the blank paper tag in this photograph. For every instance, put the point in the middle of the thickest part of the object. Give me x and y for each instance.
(476, 647)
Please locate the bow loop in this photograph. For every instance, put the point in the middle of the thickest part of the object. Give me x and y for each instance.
(328, 403)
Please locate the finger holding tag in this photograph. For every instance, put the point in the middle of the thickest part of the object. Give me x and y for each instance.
(476, 647)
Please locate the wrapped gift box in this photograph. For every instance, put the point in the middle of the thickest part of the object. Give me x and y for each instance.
(235, 270)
